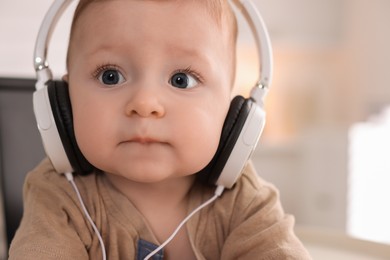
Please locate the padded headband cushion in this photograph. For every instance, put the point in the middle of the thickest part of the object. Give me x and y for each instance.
(234, 122)
(62, 112)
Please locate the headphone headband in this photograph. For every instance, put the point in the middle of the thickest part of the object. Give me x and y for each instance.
(246, 7)
(263, 43)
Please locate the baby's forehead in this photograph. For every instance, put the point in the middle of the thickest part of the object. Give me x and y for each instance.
(90, 11)
(219, 10)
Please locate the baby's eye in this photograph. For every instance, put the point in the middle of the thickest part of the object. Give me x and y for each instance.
(111, 77)
(183, 80)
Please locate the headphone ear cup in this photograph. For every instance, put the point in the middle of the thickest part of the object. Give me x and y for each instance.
(234, 122)
(62, 111)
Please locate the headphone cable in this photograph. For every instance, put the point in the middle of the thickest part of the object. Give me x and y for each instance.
(69, 177)
(217, 193)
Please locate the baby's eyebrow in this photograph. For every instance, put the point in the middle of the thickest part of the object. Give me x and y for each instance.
(195, 54)
(106, 47)
(185, 50)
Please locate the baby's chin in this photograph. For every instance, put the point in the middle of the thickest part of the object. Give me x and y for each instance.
(149, 176)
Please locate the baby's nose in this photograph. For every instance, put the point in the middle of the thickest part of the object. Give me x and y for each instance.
(145, 102)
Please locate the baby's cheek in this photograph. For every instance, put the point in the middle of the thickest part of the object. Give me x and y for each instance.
(203, 147)
(87, 136)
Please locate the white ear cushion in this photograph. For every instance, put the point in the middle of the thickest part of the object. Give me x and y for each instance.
(49, 133)
(244, 147)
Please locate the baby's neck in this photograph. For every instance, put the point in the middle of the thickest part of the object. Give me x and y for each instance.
(167, 195)
(164, 206)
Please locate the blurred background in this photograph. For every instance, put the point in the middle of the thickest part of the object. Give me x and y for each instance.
(326, 144)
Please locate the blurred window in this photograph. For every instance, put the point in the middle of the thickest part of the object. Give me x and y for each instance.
(369, 179)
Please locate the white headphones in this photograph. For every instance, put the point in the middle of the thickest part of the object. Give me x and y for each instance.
(241, 132)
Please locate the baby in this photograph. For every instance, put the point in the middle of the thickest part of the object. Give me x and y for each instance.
(150, 83)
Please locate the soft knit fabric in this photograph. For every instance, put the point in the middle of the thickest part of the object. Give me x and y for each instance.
(246, 222)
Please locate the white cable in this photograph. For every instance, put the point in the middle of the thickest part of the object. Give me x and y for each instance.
(217, 193)
(69, 177)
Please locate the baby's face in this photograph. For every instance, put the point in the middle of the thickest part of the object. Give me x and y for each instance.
(150, 87)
